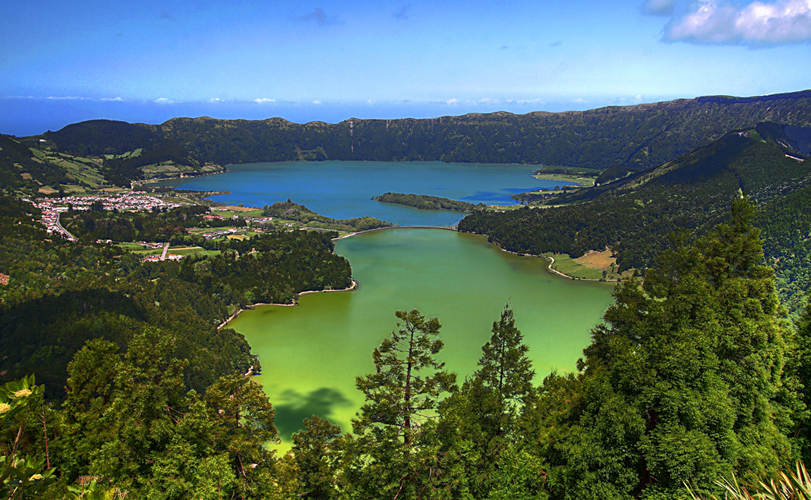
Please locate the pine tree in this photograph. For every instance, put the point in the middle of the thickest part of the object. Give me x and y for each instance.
(395, 428)
(505, 371)
(685, 379)
(477, 420)
(317, 458)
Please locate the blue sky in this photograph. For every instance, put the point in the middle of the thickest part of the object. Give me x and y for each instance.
(147, 61)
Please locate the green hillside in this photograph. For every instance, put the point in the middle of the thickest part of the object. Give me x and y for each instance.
(633, 216)
(624, 139)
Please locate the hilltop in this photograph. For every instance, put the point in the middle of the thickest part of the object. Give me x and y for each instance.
(617, 139)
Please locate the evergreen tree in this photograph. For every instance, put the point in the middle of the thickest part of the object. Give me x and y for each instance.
(317, 458)
(131, 422)
(396, 443)
(685, 380)
(505, 371)
(479, 417)
(803, 372)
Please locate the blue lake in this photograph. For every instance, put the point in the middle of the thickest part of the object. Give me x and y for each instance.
(343, 190)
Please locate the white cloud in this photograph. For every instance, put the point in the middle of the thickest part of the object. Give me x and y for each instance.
(756, 23)
(67, 98)
(163, 100)
(113, 99)
(264, 100)
(537, 100)
(316, 102)
(452, 102)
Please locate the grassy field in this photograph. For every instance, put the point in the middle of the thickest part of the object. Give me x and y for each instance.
(145, 252)
(570, 267)
(84, 170)
(230, 211)
(583, 181)
(589, 266)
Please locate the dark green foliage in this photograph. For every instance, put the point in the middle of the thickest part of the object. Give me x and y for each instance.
(633, 216)
(121, 171)
(425, 202)
(395, 440)
(289, 210)
(685, 381)
(637, 137)
(104, 137)
(479, 417)
(317, 458)
(171, 226)
(115, 138)
(504, 368)
(786, 225)
(20, 171)
(60, 294)
(802, 368)
(130, 422)
(272, 267)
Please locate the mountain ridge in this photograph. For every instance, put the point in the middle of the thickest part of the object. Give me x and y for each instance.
(622, 138)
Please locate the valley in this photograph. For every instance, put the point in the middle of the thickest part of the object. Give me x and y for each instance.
(680, 274)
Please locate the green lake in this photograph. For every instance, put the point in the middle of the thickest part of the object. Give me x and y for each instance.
(311, 353)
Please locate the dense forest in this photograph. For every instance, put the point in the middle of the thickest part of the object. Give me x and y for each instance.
(634, 216)
(426, 202)
(693, 376)
(121, 379)
(60, 295)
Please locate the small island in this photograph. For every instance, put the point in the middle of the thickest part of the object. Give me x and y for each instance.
(289, 210)
(425, 202)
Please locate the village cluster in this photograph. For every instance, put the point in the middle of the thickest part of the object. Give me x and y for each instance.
(133, 201)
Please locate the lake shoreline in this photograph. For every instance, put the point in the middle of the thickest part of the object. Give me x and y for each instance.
(550, 259)
(295, 303)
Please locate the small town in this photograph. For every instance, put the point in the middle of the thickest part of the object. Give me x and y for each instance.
(135, 201)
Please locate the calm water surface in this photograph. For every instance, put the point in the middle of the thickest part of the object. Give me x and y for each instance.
(343, 189)
(312, 353)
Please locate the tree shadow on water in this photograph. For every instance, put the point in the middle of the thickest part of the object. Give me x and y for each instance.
(292, 407)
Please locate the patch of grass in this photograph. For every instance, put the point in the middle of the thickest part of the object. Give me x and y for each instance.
(582, 181)
(603, 261)
(230, 211)
(193, 251)
(570, 267)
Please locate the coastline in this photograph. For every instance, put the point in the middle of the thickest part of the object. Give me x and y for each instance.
(551, 260)
(239, 311)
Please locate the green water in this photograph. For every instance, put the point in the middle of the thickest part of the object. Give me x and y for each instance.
(312, 353)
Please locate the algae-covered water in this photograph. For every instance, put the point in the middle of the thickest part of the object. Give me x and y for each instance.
(311, 353)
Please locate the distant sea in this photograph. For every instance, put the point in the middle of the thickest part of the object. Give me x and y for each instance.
(343, 189)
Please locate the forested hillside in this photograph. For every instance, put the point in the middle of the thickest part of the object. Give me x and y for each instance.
(628, 138)
(118, 151)
(634, 216)
(631, 137)
(59, 295)
(692, 376)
